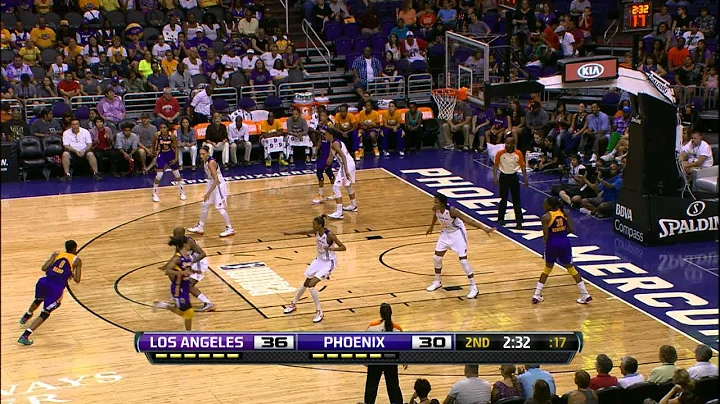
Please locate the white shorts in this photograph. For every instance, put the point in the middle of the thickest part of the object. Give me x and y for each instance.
(201, 265)
(346, 179)
(456, 241)
(320, 269)
(219, 196)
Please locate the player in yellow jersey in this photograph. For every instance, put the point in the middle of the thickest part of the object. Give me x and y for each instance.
(392, 127)
(368, 128)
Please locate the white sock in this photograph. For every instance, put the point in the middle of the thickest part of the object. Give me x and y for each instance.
(352, 203)
(320, 191)
(338, 209)
(155, 187)
(539, 288)
(437, 278)
(225, 217)
(299, 294)
(179, 181)
(204, 299)
(582, 288)
(316, 298)
(472, 281)
(29, 331)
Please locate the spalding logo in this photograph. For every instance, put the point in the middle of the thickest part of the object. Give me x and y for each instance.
(590, 71)
(696, 208)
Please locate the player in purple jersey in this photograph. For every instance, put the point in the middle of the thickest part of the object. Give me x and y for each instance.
(179, 269)
(324, 157)
(556, 230)
(199, 263)
(59, 268)
(166, 150)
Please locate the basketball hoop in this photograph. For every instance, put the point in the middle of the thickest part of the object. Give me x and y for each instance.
(445, 98)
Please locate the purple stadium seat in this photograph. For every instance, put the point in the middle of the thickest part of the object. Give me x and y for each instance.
(343, 46)
(351, 30)
(378, 55)
(648, 44)
(332, 30)
(220, 105)
(82, 113)
(548, 71)
(378, 42)
(534, 72)
(611, 99)
(670, 77)
(246, 103)
(437, 50)
(272, 102)
(492, 21)
(403, 66)
(360, 43)
(386, 27)
(358, 9)
(418, 66)
(461, 55)
(59, 109)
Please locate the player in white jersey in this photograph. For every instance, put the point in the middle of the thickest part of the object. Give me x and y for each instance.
(215, 194)
(199, 266)
(345, 176)
(321, 267)
(453, 236)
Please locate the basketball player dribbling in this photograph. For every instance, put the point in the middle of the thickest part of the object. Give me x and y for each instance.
(453, 236)
(345, 177)
(166, 150)
(199, 263)
(215, 194)
(324, 158)
(179, 269)
(321, 267)
(556, 229)
(59, 268)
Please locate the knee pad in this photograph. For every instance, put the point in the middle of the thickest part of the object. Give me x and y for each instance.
(158, 176)
(466, 267)
(337, 193)
(44, 315)
(571, 270)
(320, 172)
(548, 269)
(350, 189)
(330, 174)
(438, 261)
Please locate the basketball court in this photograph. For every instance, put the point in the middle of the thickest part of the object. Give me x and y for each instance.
(85, 353)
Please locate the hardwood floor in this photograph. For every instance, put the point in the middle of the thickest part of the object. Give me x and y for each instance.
(84, 352)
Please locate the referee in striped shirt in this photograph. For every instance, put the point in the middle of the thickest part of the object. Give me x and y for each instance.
(509, 161)
(385, 324)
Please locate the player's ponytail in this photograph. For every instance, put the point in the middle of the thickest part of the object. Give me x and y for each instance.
(386, 316)
(320, 220)
(177, 242)
(509, 371)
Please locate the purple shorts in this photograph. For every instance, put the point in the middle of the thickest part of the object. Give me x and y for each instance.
(50, 293)
(164, 159)
(558, 252)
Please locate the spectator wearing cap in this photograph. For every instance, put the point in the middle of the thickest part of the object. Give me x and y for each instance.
(365, 69)
(42, 35)
(201, 106)
(706, 23)
(45, 125)
(167, 108)
(619, 126)
(413, 49)
(628, 368)
(68, 88)
(63, 34)
(201, 42)
(692, 37)
(247, 63)
(111, 108)
(568, 44)
(78, 145)
(16, 128)
(25, 90)
(703, 367)
(126, 148)
(89, 85)
(603, 365)
(16, 69)
(181, 80)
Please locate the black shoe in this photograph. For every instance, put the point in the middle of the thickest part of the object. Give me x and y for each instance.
(501, 223)
(519, 226)
(98, 177)
(65, 178)
(245, 163)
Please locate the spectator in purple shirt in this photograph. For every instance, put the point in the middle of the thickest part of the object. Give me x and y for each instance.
(16, 69)
(210, 62)
(201, 42)
(111, 108)
(260, 75)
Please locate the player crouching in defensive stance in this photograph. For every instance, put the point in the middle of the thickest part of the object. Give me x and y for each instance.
(215, 194)
(321, 267)
(556, 229)
(179, 269)
(453, 236)
(59, 268)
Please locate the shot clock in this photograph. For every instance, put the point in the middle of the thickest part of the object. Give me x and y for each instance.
(637, 17)
(359, 348)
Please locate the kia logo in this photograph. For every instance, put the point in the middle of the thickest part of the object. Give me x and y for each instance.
(590, 71)
(696, 208)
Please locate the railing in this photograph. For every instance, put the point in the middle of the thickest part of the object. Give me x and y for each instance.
(258, 93)
(418, 87)
(89, 101)
(608, 37)
(287, 15)
(701, 98)
(137, 103)
(30, 105)
(229, 94)
(387, 88)
(287, 91)
(327, 58)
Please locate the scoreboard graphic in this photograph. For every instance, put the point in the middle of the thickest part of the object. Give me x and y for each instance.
(358, 348)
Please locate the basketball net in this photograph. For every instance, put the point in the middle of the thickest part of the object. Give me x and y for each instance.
(445, 98)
